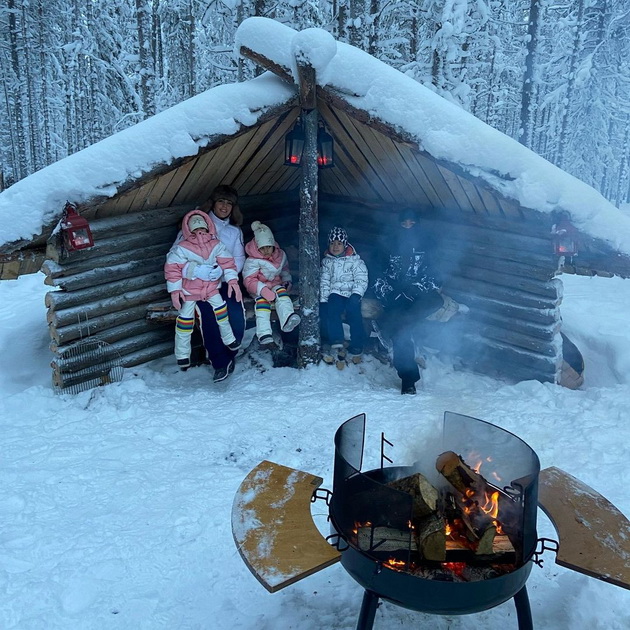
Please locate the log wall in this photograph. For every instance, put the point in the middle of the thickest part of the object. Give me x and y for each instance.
(104, 292)
(501, 270)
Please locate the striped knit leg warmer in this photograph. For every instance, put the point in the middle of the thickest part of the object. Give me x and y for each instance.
(221, 313)
(262, 309)
(184, 325)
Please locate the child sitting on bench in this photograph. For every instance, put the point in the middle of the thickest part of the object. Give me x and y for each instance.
(267, 278)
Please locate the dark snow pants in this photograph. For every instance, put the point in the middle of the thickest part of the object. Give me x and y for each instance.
(337, 305)
(218, 353)
(401, 321)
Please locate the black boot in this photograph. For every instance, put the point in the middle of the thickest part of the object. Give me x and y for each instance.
(408, 387)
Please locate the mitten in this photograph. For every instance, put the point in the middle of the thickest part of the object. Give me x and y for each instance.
(177, 298)
(235, 290)
(209, 273)
(355, 298)
(268, 294)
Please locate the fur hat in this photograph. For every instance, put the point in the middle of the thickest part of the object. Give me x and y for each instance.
(197, 221)
(338, 234)
(223, 191)
(263, 235)
(226, 192)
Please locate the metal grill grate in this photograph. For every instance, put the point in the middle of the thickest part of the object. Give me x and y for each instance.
(88, 363)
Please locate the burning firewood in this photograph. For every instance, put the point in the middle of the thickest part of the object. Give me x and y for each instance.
(461, 476)
(431, 538)
(385, 539)
(425, 496)
(485, 544)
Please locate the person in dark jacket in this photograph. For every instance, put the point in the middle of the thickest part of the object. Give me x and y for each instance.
(409, 291)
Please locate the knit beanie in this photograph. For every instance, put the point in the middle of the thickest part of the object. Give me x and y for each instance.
(338, 234)
(197, 221)
(262, 234)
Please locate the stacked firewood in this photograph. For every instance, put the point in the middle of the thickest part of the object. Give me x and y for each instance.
(459, 527)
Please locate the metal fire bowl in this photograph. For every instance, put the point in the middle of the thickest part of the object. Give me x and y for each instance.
(432, 596)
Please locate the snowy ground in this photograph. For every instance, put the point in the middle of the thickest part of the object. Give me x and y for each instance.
(115, 503)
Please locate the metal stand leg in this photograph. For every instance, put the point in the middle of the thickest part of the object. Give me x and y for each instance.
(368, 611)
(523, 611)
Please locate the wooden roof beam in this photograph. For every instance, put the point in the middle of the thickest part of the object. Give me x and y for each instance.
(267, 64)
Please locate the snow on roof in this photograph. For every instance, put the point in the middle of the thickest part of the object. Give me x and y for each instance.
(98, 170)
(440, 127)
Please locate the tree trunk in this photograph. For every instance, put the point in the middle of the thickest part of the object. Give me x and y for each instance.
(528, 94)
(309, 259)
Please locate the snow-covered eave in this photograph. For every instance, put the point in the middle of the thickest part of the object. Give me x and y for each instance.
(35, 204)
(440, 128)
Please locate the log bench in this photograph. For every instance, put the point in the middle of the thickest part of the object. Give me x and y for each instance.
(162, 312)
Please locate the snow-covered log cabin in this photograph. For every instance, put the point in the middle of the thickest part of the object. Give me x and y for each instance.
(489, 203)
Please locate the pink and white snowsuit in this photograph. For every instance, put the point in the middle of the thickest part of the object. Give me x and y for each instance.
(262, 274)
(199, 248)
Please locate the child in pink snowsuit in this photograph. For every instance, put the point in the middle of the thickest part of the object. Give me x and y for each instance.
(266, 277)
(201, 246)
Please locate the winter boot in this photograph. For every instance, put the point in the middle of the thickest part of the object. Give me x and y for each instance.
(408, 387)
(327, 355)
(292, 321)
(266, 341)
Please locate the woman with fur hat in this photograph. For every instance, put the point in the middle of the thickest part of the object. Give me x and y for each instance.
(266, 277)
(223, 209)
(199, 246)
(344, 280)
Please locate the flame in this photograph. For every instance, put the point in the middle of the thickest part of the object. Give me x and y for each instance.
(448, 530)
(358, 526)
(491, 506)
(397, 565)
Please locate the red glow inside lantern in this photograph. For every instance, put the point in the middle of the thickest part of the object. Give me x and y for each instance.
(325, 148)
(565, 238)
(294, 145)
(76, 230)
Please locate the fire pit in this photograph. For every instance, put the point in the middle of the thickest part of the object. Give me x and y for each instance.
(452, 533)
(442, 535)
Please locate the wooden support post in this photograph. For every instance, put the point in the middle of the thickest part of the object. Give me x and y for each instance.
(309, 258)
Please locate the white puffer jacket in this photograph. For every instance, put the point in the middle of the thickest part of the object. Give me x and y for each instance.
(344, 275)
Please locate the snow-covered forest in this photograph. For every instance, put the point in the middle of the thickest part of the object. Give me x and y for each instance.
(554, 75)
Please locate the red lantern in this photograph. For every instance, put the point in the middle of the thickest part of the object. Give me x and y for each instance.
(325, 148)
(76, 229)
(565, 238)
(294, 145)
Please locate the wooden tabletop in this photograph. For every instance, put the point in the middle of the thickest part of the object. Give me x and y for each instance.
(594, 535)
(273, 527)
